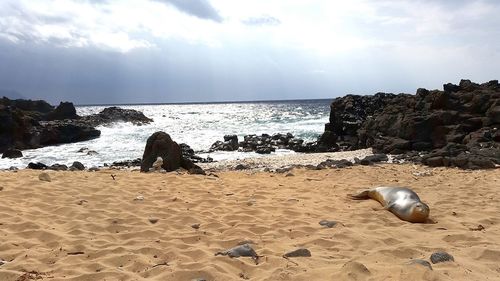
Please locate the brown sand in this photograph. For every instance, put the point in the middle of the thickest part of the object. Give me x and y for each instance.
(87, 226)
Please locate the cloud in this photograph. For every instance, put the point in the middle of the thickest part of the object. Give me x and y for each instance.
(198, 8)
(262, 20)
(20, 23)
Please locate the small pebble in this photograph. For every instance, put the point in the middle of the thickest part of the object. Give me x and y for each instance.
(139, 198)
(44, 177)
(327, 223)
(420, 262)
(1, 188)
(298, 253)
(196, 226)
(153, 220)
(289, 175)
(438, 257)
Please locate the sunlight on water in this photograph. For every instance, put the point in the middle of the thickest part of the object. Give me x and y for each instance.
(198, 125)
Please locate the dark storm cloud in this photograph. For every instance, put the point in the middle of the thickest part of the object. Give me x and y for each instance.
(198, 8)
(263, 20)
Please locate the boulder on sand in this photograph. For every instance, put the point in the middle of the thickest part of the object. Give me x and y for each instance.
(160, 144)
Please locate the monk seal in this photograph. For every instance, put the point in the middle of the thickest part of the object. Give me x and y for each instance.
(401, 201)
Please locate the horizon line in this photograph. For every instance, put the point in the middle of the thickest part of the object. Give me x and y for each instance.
(204, 102)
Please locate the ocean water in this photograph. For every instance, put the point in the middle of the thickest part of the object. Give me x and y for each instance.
(198, 125)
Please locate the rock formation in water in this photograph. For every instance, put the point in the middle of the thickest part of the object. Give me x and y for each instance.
(459, 126)
(32, 124)
(265, 144)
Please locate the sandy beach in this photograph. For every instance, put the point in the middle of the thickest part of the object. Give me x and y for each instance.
(87, 225)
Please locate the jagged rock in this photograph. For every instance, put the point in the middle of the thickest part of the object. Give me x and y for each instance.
(12, 153)
(116, 114)
(161, 145)
(23, 123)
(189, 154)
(438, 257)
(466, 116)
(65, 110)
(27, 105)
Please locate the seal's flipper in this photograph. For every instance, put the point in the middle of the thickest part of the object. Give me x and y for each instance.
(360, 196)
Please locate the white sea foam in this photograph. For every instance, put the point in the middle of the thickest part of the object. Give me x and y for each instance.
(198, 125)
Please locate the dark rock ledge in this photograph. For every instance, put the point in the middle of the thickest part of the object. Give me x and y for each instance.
(28, 124)
(456, 127)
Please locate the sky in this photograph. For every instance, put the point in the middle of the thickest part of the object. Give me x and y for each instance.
(160, 51)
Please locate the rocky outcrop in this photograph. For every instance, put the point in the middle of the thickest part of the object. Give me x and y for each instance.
(65, 110)
(115, 114)
(55, 132)
(455, 127)
(161, 145)
(230, 143)
(32, 124)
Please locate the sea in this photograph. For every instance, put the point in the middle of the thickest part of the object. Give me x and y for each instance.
(197, 124)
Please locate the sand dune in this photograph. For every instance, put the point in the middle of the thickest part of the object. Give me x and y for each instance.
(87, 226)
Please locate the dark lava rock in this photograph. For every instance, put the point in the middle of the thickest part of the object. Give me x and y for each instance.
(28, 124)
(327, 223)
(461, 120)
(298, 253)
(56, 132)
(329, 163)
(127, 163)
(161, 145)
(264, 149)
(244, 250)
(12, 153)
(37, 166)
(420, 262)
(438, 257)
(77, 166)
(65, 110)
(371, 159)
(240, 167)
(27, 105)
(189, 154)
(265, 144)
(116, 114)
(58, 167)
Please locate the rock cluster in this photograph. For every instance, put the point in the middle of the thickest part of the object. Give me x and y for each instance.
(265, 144)
(458, 127)
(32, 124)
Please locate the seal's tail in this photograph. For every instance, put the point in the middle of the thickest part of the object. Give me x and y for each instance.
(360, 196)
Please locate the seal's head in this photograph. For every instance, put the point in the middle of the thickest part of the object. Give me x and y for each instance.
(419, 212)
